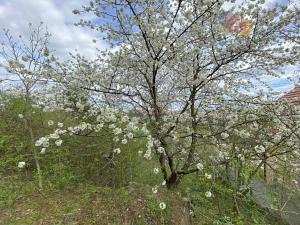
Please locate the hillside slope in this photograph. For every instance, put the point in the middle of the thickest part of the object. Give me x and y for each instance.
(22, 204)
(134, 204)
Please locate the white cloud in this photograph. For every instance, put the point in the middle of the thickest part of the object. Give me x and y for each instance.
(57, 15)
(268, 3)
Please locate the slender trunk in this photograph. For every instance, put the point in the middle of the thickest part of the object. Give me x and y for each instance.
(28, 124)
(239, 174)
(227, 172)
(194, 127)
(35, 155)
(265, 170)
(37, 163)
(238, 177)
(219, 205)
(236, 207)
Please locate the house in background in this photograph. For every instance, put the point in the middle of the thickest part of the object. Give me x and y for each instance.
(293, 95)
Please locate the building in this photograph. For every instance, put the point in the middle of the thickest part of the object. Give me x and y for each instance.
(293, 95)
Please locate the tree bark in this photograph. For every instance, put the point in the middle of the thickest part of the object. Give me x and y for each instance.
(173, 181)
(28, 125)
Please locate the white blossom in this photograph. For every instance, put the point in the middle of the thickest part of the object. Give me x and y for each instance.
(130, 135)
(112, 126)
(58, 142)
(54, 136)
(154, 190)
(21, 164)
(244, 134)
(125, 119)
(124, 141)
(156, 170)
(160, 149)
(199, 166)
(117, 131)
(43, 141)
(260, 148)
(117, 150)
(208, 194)
(79, 106)
(162, 205)
(224, 135)
(208, 176)
(116, 139)
(43, 151)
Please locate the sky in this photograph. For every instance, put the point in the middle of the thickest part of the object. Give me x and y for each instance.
(57, 15)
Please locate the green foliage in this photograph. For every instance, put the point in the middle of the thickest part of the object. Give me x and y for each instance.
(223, 221)
(12, 189)
(85, 167)
(225, 207)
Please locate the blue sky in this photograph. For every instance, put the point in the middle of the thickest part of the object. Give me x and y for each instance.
(57, 15)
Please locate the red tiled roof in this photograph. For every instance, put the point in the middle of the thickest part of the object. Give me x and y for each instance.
(293, 95)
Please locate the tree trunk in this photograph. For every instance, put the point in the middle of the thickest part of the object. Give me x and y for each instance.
(28, 125)
(173, 181)
(265, 172)
(227, 171)
(36, 160)
(265, 168)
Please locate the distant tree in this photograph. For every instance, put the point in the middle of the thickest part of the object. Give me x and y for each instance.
(26, 61)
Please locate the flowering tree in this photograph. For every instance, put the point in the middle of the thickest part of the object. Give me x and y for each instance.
(252, 138)
(176, 62)
(25, 59)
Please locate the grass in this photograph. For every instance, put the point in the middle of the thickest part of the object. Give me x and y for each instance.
(225, 207)
(22, 204)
